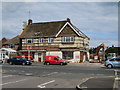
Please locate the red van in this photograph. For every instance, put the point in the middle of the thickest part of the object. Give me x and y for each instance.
(54, 60)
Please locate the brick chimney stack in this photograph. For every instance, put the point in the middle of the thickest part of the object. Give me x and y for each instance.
(29, 21)
(68, 19)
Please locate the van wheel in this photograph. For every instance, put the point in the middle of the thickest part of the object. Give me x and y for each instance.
(11, 63)
(61, 63)
(47, 63)
(109, 66)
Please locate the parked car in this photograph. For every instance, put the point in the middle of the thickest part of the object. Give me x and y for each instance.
(114, 62)
(18, 61)
(1, 61)
(54, 60)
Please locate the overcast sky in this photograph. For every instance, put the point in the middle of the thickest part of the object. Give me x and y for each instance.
(98, 20)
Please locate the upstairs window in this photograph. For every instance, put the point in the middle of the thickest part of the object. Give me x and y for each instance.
(67, 39)
(11, 46)
(29, 40)
(41, 40)
(50, 40)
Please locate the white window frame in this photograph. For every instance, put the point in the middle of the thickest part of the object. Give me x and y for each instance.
(70, 39)
(50, 40)
(41, 40)
(11, 45)
(28, 40)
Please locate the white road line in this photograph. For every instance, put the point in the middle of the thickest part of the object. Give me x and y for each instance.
(116, 80)
(13, 82)
(7, 76)
(50, 74)
(43, 85)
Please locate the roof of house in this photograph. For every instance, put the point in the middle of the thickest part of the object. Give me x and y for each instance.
(42, 29)
(3, 40)
(14, 40)
(47, 29)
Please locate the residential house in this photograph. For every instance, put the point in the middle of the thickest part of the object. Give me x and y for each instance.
(112, 52)
(60, 38)
(12, 43)
(3, 40)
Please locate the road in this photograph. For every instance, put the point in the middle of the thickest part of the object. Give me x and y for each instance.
(51, 76)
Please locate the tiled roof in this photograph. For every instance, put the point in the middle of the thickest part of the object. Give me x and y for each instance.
(14, 40)
(45, 29)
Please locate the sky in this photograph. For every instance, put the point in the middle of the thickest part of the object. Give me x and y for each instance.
(98, 20)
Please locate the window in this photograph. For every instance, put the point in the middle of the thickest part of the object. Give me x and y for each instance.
(55, 58)
(11, 46)
(118, 59)
(67, 54)
(29, 40)
(50, 40)
(112, 59)
(67, 39)
(40, 40)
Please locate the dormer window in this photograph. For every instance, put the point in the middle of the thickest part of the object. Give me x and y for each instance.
(50, 40)
(67, 39)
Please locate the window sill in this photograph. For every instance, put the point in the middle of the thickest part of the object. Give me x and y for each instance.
(67, 42)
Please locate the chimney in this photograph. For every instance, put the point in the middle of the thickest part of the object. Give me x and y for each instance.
(29, 21)
(68, 19)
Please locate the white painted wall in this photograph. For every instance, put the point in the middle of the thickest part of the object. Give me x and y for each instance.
(55, 53)
(88, 54)
(36, 57)
(42, 57)
(76, 55)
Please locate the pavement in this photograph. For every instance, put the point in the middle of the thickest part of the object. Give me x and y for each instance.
(102, 83)
(105, 83)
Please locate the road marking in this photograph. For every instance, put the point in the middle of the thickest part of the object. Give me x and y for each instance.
(43, 85)
(49, 74)
(7, 76)
(52, 73)
(116, 80)
(13, 82)
(83, 81)
(28, 74)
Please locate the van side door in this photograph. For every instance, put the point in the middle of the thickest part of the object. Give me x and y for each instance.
(56, 61)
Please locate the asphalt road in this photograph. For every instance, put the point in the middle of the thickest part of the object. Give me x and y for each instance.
(51, 76)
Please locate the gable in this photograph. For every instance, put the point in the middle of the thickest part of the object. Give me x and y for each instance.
(67, 31)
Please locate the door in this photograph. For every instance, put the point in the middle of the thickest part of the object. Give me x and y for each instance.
(81, 56)
(18, 61)
(118, 62)
(56, 61)
(114, 62)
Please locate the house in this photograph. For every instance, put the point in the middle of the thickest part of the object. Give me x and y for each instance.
(60, 38)
(12, 43)
(112, 52)
(3, 40)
